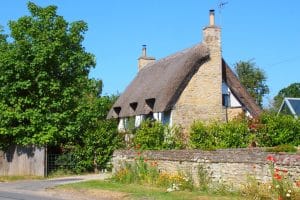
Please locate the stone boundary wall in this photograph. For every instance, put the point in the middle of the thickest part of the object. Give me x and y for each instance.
(232, 166)
(22, 161)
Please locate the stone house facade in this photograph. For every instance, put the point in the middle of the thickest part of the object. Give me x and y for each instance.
(192, 84)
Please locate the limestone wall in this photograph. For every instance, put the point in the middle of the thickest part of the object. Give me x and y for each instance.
(202, 97)
(231, 166)
(22, 161)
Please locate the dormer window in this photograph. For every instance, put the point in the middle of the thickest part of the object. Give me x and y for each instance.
(117, 110)
(133, 105)
(150, 102)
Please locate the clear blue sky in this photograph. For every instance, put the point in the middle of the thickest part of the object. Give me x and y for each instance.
(266, 31)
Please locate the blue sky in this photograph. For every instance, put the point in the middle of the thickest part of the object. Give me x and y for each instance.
(266, 31)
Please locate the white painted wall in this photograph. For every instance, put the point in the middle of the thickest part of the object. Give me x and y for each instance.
(234, 102)
(121, 125)
(138, 120)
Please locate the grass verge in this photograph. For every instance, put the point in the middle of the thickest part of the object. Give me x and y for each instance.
(135, 191)
(19, 178)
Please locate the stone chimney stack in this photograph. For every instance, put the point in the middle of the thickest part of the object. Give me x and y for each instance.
(212, 70)
(143, 60)
(212, 34)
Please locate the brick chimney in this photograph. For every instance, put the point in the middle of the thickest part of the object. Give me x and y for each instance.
(143, 60)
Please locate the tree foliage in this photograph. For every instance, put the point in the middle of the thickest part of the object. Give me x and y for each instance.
(253, 79)
(43, 77)
(292, 90)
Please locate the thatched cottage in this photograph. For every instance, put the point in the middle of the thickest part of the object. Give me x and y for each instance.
(193, 84)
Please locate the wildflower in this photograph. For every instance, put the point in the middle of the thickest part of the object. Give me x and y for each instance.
(289, 191)
(284, 171)
(138, 153)
(170, 190)
(277, 176)
(298, 183)
(277, 186)
(280, 198)
(270, 187)
(276, 170)
(288, 195)
(271, 158)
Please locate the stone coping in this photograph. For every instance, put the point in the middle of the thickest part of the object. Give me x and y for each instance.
(239, 155)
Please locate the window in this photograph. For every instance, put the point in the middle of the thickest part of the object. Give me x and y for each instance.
(117, 110)
(133, 105)
(226, 100)
(150, 102)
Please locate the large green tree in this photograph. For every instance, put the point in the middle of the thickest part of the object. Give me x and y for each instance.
(43, 77)
(293, 90)
(253, 79)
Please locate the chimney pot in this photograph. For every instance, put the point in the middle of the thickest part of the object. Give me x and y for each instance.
(211, 17)
(144, 50)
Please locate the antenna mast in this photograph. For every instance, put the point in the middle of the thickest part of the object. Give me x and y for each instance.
(221, 6)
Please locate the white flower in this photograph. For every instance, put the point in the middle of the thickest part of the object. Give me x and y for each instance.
(270, 187)
(289, 191)
(288, 195)
(277, 186)
(170, 190)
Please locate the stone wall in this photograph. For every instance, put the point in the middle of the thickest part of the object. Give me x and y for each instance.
(231, 166)
(22, 161)
(202, 97)
(232, 113)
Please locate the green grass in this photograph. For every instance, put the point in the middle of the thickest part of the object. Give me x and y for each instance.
(135, 191)
(19, 178)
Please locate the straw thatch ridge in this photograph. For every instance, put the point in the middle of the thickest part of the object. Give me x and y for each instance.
(239, 90)
(161, 82)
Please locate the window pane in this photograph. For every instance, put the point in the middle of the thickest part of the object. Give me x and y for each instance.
(296, 105)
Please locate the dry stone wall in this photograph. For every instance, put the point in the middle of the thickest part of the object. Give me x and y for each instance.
(231, 166)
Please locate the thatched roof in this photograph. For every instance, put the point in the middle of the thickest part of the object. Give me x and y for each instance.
(158, 85)
(239, 90)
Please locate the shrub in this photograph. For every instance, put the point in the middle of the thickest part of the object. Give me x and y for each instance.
(155, 135)
(95, 149)
(150, 135)
(278, 129)
(201, 137)
(174, 138)
(233, 134)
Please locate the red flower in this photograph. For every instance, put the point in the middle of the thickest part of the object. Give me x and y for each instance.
(276, 170)
(277, 176)
(280, 198)
(271, 158)
(284, 171)
(298, 183)
(138, 153)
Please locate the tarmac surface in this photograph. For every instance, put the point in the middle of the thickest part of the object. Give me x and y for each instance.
(39, 189)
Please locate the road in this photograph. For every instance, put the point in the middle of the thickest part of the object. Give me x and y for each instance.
(37, 189)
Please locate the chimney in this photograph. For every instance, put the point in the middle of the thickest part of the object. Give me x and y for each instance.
(212, 33)
(211, 17)
(144, 60)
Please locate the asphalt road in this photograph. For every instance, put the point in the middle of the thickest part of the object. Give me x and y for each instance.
(37, 189)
